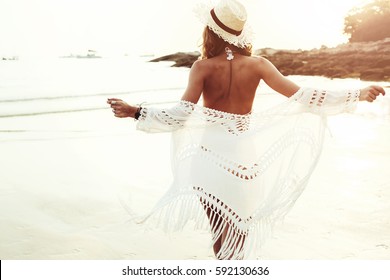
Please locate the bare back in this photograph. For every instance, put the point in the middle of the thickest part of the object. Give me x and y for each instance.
(230, 86)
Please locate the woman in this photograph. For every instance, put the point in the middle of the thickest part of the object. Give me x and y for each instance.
(238, 170)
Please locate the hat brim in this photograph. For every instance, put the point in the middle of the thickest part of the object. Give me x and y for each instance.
(202, 12)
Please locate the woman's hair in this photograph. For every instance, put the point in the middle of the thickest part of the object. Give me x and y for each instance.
(213, 45)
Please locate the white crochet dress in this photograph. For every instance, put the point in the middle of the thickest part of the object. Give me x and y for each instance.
(247, 171)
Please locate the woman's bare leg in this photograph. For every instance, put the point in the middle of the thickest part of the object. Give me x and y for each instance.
(216, 224)
(239, 244)
(218, 242)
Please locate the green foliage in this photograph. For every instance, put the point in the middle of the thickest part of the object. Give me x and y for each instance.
(368, 23)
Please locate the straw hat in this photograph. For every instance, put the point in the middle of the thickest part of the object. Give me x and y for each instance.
(227, 19)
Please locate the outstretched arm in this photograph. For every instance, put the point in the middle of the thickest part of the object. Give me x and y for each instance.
(154, 119)
(192, 94)
(276, 80)
(318, 99)
(164, 120)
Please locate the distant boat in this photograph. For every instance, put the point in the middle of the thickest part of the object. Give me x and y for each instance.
(90, 54)
(10, 58)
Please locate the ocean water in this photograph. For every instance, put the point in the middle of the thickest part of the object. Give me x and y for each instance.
(31, 87)
(70, 84)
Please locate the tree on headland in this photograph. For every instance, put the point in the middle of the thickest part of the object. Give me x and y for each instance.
(368, 23)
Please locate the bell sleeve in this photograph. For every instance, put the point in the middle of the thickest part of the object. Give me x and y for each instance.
(154, 120)
(327, 102)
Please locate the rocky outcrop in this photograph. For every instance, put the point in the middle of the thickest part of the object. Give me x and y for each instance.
(367, 61)
(181, 59)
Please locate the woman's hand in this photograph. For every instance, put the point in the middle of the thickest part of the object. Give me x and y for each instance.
(370, 93)
(121, 109)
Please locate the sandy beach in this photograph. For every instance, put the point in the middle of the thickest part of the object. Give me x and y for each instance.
(64, 178)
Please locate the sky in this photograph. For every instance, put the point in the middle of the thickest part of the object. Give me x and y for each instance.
(117, 27)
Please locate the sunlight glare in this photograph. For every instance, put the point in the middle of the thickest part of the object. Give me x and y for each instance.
(57, 27)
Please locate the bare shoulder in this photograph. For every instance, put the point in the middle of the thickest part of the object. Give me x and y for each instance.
(260, 60)
(258, 63)
(200, 65)
(264, 65)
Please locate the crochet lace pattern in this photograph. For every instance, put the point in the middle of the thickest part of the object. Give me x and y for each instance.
(238, 175)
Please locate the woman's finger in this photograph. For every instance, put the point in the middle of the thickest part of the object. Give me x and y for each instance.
(379, 89)
(113, 100)
(120, 115)
(374, 91)
(372, 96)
